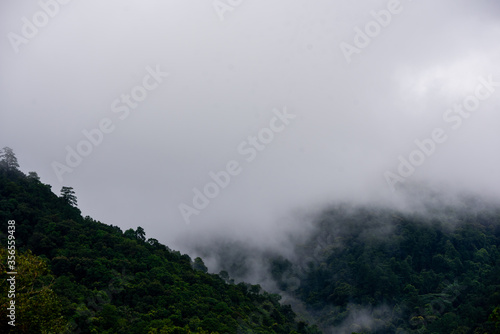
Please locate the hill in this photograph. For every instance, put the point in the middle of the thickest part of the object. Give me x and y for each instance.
(78, 275)
(368, 269)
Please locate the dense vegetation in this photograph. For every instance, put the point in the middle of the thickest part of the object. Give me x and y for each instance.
(360, 270)
(373, 270)
(78, 275)
(407, 273)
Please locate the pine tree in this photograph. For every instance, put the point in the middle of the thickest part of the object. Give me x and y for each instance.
(9, 160)
(68, 194)
(140, 234)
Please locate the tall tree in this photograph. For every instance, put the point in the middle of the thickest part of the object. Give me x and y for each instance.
(140, 234)
(9, 160)
(33, 176)
(199, 265)
(68, 194)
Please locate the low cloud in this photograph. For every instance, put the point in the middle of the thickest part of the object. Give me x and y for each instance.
(353, 119)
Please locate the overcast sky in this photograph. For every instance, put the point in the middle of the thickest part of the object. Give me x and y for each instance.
(333, 93)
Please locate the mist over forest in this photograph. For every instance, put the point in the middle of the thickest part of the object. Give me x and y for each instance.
(342, 156)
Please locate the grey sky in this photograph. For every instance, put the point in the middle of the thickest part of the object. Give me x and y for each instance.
(352, 120)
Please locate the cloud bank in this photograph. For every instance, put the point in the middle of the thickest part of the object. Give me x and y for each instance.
(365, 82)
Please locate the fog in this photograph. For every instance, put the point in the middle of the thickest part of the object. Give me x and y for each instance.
(300, 105)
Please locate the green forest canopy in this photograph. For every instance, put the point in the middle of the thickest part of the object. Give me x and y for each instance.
(78, 275)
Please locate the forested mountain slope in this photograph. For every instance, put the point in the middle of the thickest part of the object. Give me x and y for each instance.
(378, 270)
(78, 275)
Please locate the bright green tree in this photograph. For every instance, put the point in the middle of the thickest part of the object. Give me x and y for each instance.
(38, 308)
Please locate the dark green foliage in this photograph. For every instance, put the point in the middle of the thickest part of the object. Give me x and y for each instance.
(199, 265)
(436, 273)
(68, 195)
(34, 176)
(108, 281)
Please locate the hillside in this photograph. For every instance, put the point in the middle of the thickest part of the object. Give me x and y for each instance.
(358, 269)
(78, 275)
(378, 270)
